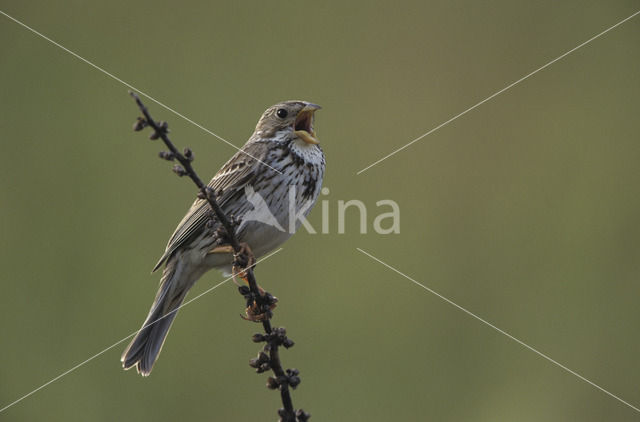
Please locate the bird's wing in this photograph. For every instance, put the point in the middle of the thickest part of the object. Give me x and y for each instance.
(239, 171)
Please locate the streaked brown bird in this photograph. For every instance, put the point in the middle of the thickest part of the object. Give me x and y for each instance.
(267, 186)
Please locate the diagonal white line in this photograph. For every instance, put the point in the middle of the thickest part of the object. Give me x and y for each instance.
(500, 331)
(496, 93)
(68, 371)
(112, 76)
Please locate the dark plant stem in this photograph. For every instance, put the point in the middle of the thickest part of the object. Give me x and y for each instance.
(264, 302)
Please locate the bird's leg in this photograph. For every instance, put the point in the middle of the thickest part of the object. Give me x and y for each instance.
(243, 260)
(221, 249)
(227, 249)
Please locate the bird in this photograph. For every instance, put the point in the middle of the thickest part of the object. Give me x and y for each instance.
(274, 180)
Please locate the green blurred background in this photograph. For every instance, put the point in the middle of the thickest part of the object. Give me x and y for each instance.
(524, 211)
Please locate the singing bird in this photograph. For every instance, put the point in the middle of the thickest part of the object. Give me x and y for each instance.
(282, 165)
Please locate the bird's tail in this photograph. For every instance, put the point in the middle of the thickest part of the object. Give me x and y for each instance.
(145, 347)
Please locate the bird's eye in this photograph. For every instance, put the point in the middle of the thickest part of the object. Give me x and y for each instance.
(282, 113)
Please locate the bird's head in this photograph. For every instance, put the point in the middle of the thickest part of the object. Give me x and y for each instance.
(291, 118)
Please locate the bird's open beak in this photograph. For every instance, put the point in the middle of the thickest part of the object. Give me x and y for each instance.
(303, 126)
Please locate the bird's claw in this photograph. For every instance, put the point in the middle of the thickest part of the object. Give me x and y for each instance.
(242, 260)
(260, 308)
(255, 314)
